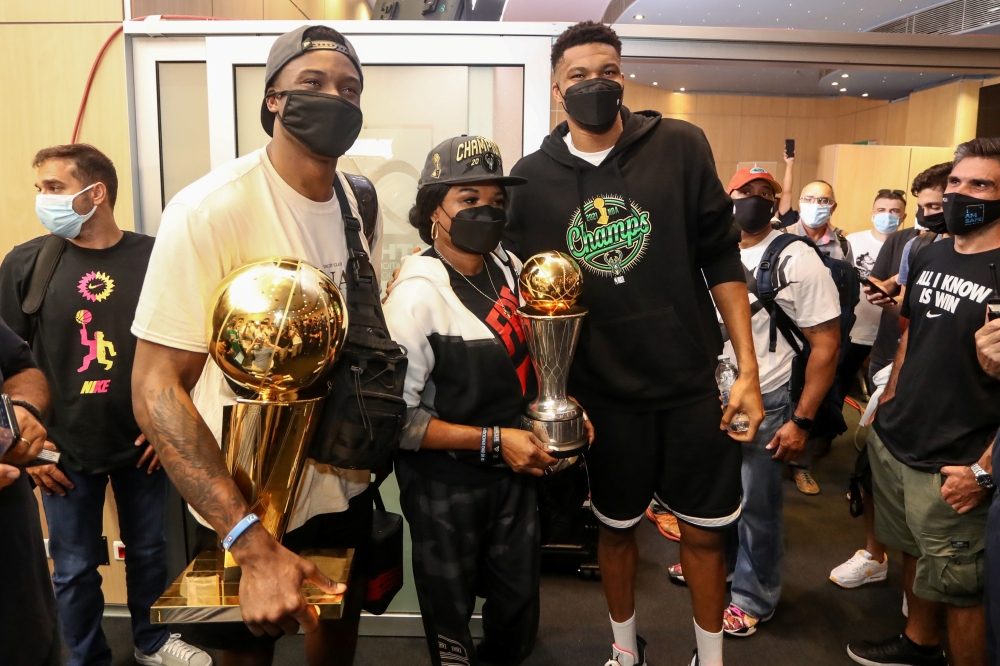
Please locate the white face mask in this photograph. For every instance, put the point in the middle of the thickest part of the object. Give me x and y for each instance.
(814, 215)
(57, 215)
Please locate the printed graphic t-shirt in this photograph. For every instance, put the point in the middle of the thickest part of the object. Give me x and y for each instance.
(807, 294)
(946, 409)
(865, 248)
(239, 213)
(84, 346)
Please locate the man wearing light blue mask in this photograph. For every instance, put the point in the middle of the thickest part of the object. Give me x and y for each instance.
(817, 204)
(79, 332)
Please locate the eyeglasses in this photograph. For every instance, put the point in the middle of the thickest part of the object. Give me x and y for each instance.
(822, 201)
(894, 193)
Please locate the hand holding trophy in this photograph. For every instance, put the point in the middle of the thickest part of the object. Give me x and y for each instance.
(276, 326)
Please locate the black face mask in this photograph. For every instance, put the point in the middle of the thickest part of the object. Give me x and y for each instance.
(477, 230)
(753, 214)
(594, 103)
(964, 214)
(327, 125)
(934, 222)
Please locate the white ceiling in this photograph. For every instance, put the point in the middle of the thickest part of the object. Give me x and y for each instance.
(846, 15)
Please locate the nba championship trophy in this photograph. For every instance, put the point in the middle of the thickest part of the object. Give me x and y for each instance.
(550, 283)
(275, 327)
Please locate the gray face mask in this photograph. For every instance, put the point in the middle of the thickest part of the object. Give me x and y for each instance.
(328, 125)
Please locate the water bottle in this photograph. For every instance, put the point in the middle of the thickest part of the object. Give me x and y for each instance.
(725, 376)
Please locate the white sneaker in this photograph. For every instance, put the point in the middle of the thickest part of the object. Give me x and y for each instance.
(174, 652)
(621, 657)
(860, 570)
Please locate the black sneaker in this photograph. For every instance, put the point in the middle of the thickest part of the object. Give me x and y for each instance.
(694, 660)
(896, 651)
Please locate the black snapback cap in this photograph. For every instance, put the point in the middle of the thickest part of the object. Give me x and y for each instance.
(291, 45)
(465, 159)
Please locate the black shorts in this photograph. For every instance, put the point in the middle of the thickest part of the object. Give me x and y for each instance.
(348, 529)
(678, 455)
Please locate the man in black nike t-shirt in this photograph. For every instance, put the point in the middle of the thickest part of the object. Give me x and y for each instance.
(931, 445)
(81, 340)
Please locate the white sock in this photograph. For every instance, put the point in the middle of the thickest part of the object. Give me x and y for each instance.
(625, 635)
(709, 646)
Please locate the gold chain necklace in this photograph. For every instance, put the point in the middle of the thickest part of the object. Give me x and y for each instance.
(506, 310)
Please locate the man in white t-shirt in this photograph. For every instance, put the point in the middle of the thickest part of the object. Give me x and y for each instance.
(807, 297)
(276, 201)
(888, 213)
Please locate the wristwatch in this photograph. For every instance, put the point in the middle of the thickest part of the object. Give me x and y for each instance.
(984, 480)
(802, 422)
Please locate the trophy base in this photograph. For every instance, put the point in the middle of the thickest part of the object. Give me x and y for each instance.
(209, 591)
(563, 439)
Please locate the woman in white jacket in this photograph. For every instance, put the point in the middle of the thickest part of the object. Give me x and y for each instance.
(465, 469)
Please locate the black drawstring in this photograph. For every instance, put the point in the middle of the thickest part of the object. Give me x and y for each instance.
(361, 402)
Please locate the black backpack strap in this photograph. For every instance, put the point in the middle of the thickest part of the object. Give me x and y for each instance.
(41, 273)
(367, 198)
(767, 288)
(919, 243)
(366, 323)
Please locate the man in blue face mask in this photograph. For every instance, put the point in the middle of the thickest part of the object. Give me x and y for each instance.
(80, 338)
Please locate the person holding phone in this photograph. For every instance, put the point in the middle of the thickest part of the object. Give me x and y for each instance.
(29, 631)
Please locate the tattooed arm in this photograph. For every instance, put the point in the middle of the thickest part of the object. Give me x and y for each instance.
(270, 587)
(821, 369)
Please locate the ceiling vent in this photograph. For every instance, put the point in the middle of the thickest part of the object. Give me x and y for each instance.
(946, 19)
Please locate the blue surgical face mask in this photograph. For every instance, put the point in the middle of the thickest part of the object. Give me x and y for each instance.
(813, 215)
(886, 223)
(57, 214)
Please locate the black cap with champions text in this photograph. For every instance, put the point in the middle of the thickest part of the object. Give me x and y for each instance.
(291, 45)
(465, 159)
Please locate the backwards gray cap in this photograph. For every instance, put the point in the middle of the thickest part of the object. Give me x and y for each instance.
(465, 159)
(291, 45)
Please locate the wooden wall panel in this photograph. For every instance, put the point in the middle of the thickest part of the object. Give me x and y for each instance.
(967, 113)
(932, 116)
(844, 130)
(240, 9)
(45, 113)
(765, 106)
(857, 173)
(761, 138)
(895, 129)
(871, 124)
(723, 134)
(60, 11)
(680, 102)
(181, 7)
(719, 105)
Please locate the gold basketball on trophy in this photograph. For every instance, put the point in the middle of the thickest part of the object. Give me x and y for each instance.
(551, 282)
(276, 325)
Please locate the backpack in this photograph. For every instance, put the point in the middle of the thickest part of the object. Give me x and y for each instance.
(361, 421)
(844, 275)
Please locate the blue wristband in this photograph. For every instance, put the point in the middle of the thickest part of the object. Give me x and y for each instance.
(240, 528)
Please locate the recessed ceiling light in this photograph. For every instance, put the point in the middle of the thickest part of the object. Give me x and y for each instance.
(834, 83)
(639, 17)
(682, 89)
(654, 83)
(843, 90)
(864, 94)
(844, 76)
(631, 76)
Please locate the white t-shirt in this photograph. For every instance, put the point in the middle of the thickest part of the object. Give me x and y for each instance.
(806, 293)
(865, 248)
(593, 158)
(241, 212)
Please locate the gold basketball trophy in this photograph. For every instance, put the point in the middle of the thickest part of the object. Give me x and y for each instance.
(550, 283)
(275, 327)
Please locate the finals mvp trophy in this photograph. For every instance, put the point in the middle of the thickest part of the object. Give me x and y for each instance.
(550, 283)
(276, 325)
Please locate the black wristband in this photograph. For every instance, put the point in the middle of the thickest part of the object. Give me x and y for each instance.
(482, 444)
(30, 408)
(496, 442)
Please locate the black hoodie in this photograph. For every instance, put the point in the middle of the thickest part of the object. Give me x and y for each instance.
(651, 338)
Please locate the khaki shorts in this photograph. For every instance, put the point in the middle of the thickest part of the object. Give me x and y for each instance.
(911, 515)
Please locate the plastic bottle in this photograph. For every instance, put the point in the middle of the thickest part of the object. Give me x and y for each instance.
(725, 376)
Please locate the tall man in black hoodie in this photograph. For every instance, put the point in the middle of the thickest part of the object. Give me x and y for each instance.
(636, 199)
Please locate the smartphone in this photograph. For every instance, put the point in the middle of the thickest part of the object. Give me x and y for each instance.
(10, 432)
(790, 147)
(874, 287)
(993, 308)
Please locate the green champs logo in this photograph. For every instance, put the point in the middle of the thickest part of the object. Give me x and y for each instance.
(608, 236)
